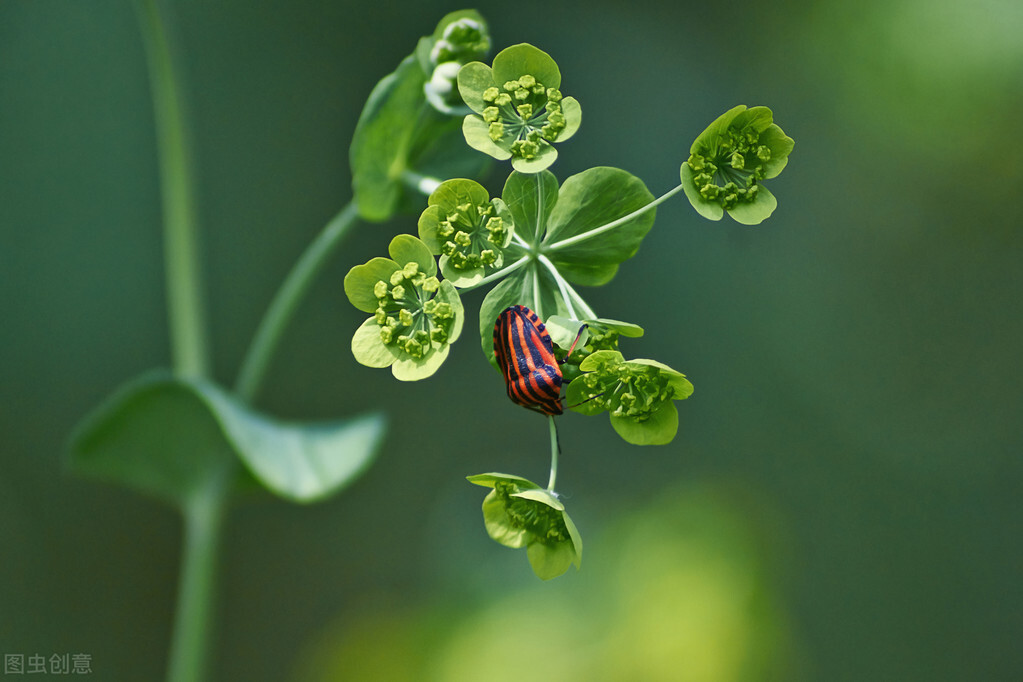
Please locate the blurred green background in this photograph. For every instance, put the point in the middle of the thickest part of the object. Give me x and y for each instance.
(843, 501)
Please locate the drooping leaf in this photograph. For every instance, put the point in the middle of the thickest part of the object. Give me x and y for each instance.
(164, 436)
(659, 429)
(383, 136)
(399, 131)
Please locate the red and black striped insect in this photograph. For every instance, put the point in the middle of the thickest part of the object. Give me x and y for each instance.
(526, 358)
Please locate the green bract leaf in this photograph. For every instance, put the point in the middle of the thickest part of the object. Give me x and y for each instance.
(530, 198)
(360, 280)
(658, 429)
(589, 200)
(519, 513)
(383, 136)
(400, 137)
(637, 393)
(416, 316)
(468, 229)
(564, 331)
(519, 110)
(167, 436)
(729, 161)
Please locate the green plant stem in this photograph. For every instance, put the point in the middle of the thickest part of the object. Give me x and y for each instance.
(554, 454)
(503, 272)
(204, 515)
(189, 347)
(295, 286)
(589, 234)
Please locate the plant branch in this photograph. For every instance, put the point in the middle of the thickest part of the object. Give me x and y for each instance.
(287, 298)
(589, 234)
(496, 275)
(204, 515)
(189, 346)
(554, 454)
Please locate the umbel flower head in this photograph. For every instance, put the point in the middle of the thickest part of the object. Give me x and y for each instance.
(519, 111)
(415, 316)
(729, 161)
(467, 229)
(638, 394)
(519, 513)
(460, 37)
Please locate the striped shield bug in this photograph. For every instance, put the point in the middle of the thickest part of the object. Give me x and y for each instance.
(525, 355)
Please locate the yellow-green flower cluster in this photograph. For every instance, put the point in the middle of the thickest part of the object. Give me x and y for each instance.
(527, 110)
(518, 109)
(729, 161)
(403, 320)
(414, 315)
(473, 236)
(467, 229)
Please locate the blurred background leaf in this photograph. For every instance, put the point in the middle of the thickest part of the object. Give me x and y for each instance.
(856, 357)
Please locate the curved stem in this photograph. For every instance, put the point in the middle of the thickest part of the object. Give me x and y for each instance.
(204, 515)
(554, 454)
(295, 285)
(589, 234)
(562, 285)
(189, 347)
(421, 183)
(568, 292)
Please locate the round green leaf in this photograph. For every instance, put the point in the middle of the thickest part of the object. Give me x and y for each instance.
(708, 139)
(518, 60)
(659, 429)
(573, 117)
(550, 561)
(499, 526)
(593, 198)
(361, 279)
(564, 330)
(542, 496)
(711, 210)
(756, 211)
(451, 193)
(449, 294)
(429, 223)
(369, 349)
(477, 136)
(597, 360)
(406, 368)
(627, 329)
(781, 146)
(490, 479)
(407, 249)
(473, 79)
(543, 159)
